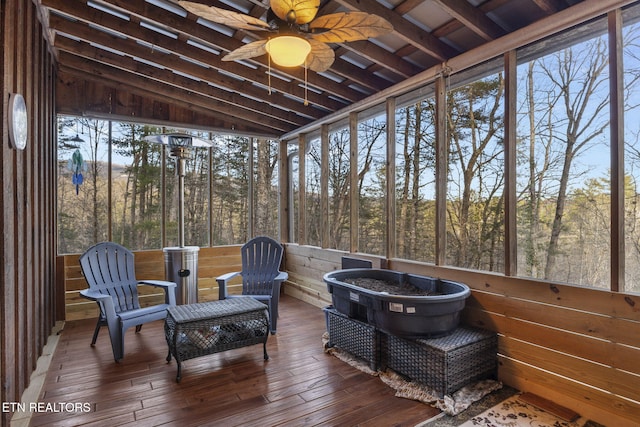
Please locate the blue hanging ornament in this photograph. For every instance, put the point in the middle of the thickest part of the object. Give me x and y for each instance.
(76, 164)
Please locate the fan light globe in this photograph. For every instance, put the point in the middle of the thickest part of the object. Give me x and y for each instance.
(288, 51)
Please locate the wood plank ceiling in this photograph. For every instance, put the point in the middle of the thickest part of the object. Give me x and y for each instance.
(155, 49)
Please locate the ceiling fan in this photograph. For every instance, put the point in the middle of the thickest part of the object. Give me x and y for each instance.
(296, 36)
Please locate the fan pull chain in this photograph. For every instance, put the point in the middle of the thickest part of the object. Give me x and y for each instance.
(306, 84)
(269, 73)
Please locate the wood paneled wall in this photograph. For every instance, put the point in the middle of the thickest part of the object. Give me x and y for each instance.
(577, 346)
(212, 262)
(27, 300)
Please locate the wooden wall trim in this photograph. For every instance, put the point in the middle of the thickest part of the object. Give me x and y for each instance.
(442, 161)
(510, 152)
(616, 131)
(354, 206)
(390, 231)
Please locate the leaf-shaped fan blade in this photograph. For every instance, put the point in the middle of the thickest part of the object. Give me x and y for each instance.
(321, 56)
(349, 26)
(225, 17)
(302, 11)
(249, 50)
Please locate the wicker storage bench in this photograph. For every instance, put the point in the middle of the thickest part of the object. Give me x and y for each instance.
(194, 330)
(357, 338)
(444, 364)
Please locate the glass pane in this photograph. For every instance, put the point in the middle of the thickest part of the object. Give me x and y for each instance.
(137, 187)
(229, 185)
(475, 204)
(196, 194)
(294, 199)
(266, 194)
(372, 140)
(83, 147)
(313, 202)
(563, 190)
(415, 181)
(339, 188)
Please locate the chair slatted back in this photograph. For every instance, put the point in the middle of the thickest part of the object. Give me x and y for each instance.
(261, 258)
(109, 269)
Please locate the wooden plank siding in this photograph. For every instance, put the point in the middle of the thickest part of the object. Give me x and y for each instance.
(307, 264)
(212, 262)
(574, 345)
(27, 300)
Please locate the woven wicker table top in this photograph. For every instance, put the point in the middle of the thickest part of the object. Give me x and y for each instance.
(214, 309)
(459, 337)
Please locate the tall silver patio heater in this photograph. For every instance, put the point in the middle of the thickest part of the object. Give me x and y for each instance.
(181, 262)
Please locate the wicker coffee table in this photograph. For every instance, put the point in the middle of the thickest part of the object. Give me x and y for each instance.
(194, 330)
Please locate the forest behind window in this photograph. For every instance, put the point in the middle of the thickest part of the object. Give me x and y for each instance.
(113, 185)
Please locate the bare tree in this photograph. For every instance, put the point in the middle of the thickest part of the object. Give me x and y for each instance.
(474, 118)
(578, 75)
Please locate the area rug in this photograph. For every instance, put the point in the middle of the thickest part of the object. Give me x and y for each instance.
(513, 412)
(451, 405)
(476, 408)
(500, 409)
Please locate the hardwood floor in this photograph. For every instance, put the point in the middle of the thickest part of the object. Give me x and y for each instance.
(299, 385)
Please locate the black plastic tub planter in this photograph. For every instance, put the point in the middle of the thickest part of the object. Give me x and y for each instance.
(398, 303)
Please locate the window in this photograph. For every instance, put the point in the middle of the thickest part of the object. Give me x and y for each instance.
(136, 188)
(475, 185)
(294, 194)
(339, 208)
(564, 159)
(312, 193)
(113, 185)
(415, 181)
(372, 140)
(266, 199)
(83, 184)
(229, 180)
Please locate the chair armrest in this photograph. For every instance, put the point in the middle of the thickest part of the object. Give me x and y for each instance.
(106, 305)
(281, 277)
(170, 289)
(157, 283)
(222, 283)
(95, 296)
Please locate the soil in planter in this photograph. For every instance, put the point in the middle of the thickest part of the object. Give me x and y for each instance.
(391, 288)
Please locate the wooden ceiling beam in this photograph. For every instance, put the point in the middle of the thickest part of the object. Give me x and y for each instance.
(382, 57)
(405, 29)
(105, 64)
(551, 6)
(354, 74)
(162, 42)
(226, 43)
(454, 25)
(365, 49)
(407, 6)
(130, 83)
(133, 49)
(472, 17)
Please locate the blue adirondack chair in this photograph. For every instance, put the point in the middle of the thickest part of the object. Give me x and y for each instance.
(109, 270)
(261, 278)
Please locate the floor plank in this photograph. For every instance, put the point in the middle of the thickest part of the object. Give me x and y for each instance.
(299, 385)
